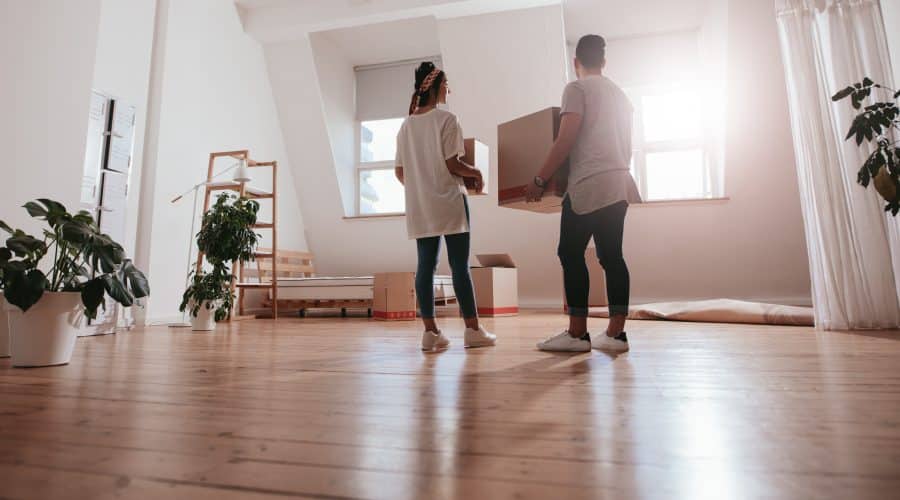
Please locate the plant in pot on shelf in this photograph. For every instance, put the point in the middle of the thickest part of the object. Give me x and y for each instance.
(226, 236)
(46, 309)
(877, 123)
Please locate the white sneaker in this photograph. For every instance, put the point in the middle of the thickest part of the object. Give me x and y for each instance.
(604, 342)
(434, 341)
(565, 343)
(479, 338)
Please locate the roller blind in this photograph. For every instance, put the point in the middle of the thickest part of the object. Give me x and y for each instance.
(384, 91)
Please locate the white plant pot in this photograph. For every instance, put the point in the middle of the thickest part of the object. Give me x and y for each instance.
(46, 334)
(4, 328)
(205, 320)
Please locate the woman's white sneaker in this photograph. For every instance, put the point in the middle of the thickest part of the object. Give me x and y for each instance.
(434, 341)
(604, 342)
(566, 343)
(479, 338)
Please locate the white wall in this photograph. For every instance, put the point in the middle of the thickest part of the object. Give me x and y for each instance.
(46, 70)
(210, 92)
(122, 71)
(751, 246)
(337, 80)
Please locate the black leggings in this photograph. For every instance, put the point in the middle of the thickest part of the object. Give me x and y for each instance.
(606, 226)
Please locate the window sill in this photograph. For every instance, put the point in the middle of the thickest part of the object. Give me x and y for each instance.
(693, 201)
(375, 216)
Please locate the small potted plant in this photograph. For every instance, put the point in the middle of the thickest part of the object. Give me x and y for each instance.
(226, 236)
(208, 298)
(47, 309)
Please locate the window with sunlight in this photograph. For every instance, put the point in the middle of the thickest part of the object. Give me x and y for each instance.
(379, 190)
(671, 161)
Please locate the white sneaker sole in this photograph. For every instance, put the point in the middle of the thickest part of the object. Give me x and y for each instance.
(480, 343)
(571, 349)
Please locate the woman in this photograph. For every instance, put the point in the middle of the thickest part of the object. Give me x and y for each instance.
(429, 147)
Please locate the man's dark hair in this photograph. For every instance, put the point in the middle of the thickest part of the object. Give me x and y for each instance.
(591, 51)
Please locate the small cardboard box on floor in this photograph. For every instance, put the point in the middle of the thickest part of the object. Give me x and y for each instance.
(479, 156)
(522, 146)
(496, 284)
(394, 296)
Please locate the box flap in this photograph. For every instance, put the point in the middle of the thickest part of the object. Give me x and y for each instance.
(495, 260)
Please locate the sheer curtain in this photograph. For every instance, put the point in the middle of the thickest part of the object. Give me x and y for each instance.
(854, 246)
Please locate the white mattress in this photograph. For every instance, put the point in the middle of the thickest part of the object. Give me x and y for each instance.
(345, 288)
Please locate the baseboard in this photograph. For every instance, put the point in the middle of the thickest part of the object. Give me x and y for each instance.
(802, 301)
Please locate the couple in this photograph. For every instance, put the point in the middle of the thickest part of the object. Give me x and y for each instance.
(594, 134)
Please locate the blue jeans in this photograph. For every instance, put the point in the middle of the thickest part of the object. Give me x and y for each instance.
(458, 253)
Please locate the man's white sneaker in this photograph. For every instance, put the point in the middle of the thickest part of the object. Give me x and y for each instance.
(566, 343)
(479, 338)
(434, 341)
(604, 342)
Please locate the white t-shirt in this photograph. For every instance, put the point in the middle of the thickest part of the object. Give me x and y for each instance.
(599, 163)
(435, 198)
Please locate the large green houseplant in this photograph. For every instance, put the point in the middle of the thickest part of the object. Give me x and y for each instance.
(67, 272)
(83, 260)
(877, 123)
(226, 235)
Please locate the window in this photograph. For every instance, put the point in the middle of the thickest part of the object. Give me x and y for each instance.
(382, 100)
(379, 191)
(671, 158)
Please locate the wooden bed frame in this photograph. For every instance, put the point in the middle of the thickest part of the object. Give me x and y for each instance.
(293, 264)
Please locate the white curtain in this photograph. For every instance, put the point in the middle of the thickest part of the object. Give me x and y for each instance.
(854, 246)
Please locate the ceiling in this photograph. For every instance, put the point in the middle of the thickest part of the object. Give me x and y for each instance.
(616, 18)
(386, 42)
(611, 18)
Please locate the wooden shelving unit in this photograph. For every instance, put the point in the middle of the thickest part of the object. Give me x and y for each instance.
(238, 284)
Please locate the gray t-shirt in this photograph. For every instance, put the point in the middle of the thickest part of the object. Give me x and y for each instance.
(600, 161)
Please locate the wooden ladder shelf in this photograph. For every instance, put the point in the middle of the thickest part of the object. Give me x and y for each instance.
(243, 190)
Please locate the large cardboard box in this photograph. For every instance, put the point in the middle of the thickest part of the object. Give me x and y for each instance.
(496, 285)
(394, 296)
(479, 156)
(523, 145)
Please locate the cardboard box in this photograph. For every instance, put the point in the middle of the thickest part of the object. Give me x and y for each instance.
(496, 285)
(394, 296)
(523, 145)
(597, 293)
(479, 156)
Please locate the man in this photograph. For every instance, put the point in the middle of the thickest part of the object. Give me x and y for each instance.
(595, 135)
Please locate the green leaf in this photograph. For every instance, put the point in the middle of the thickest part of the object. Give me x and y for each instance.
(117, 290)
(35, 210)
(135, 280)
(26, 289)
(24, 244)
(76, 232)
(842, 94)
(867, 82)
(5, 255)
(92, 297)
(4, 226)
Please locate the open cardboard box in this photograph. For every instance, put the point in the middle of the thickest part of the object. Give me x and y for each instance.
(479, 156)
(522, 146)
(496, 285)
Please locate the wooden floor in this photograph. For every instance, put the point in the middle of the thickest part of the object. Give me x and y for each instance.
(349, 408)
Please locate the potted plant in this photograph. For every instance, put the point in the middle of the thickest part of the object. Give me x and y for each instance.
(877, 123)
(226, 236)
(48, 308)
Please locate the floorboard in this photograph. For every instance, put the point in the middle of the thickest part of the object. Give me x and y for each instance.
(350, 409)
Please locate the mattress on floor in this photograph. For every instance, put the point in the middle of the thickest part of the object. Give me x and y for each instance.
(345, 288)
(719, 311)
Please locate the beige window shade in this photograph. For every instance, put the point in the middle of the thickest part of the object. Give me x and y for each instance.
(384, 91)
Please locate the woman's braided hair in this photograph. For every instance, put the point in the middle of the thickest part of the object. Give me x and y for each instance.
(428, 81)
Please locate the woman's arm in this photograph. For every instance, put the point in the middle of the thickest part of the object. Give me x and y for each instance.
(462, 169)
(398, 171)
